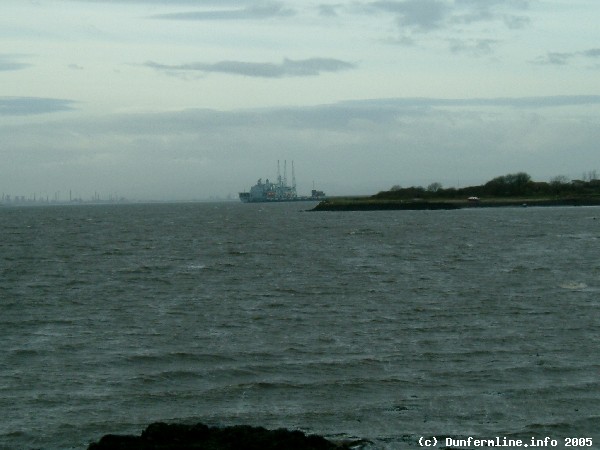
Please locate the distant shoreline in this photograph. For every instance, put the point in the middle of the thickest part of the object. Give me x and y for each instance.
(372, 204)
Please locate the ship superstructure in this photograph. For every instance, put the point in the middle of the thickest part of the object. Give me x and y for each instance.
(279, 191)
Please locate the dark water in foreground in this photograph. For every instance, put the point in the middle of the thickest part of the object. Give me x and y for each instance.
(387, 326)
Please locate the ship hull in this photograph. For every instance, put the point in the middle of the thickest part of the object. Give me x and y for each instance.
(246, 199)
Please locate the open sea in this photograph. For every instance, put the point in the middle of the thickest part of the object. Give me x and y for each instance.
(389, 326)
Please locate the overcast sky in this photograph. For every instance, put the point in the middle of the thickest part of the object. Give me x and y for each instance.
(188, 99)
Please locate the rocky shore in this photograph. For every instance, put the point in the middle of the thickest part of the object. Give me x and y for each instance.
(162, 436)
(371, 204)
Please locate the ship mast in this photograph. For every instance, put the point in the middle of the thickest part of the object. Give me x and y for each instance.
(293, 178)
(278, 174)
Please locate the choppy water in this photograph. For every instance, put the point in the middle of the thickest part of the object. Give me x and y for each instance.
(387, 326)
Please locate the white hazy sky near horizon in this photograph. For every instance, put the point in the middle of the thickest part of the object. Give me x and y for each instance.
(188, 99)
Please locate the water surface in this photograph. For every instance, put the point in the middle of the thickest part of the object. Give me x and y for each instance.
(383, 325)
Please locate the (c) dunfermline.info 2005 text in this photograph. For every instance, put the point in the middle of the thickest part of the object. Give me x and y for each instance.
(505, 442)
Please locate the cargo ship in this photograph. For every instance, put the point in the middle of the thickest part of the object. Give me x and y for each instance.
(278, 191)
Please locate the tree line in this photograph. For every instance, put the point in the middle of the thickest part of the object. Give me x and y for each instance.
(517, 184)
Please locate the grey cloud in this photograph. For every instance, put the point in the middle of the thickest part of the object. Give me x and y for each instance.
(419, 14)
(10, 62)
(395, 105)
(344, 115)
(328, 10)
(429, 15)
(548, 102)
(170, 2)
(477, 10)
(451, 20)
(555, 58)
(336, 116)
(515, 22)
(477, 47)
(23, 106)
(288, 68)
(260, 11)
(592, 53)
(563, 58)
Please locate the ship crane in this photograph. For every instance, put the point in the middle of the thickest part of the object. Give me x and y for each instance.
(279, 183)
(279, 191)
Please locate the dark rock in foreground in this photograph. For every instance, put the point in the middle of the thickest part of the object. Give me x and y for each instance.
(162, 436)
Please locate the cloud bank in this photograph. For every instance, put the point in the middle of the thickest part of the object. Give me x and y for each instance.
(287, 68)
(431, 15)
(25, 106)
(259, 11)
(349, 147)
(11, 62)
(472, 27)
(564, 58)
